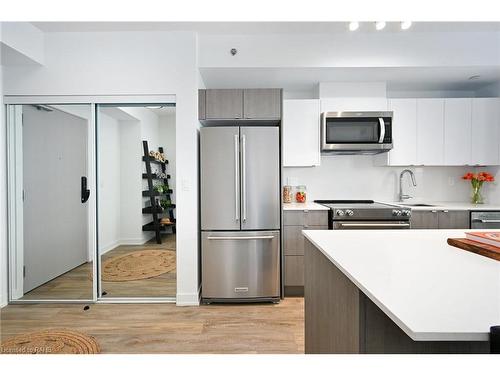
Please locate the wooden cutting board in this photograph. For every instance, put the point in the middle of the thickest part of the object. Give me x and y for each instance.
(489, 251)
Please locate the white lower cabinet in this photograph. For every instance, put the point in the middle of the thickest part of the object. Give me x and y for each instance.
(301, 127)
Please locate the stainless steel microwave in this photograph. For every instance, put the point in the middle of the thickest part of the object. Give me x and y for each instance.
(356, 132)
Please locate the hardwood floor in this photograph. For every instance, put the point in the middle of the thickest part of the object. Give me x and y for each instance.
(165, 328)
(161, 286)
(77, 283)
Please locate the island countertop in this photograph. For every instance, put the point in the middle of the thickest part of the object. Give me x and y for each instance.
(432, 291)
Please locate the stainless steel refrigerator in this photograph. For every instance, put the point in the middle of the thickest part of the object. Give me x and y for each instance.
(240, 213)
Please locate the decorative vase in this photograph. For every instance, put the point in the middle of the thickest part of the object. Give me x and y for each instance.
(477, 198)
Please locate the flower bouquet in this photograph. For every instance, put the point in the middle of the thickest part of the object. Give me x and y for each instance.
(477, 181)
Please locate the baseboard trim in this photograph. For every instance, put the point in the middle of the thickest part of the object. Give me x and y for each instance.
(188, 299)
(122, 242)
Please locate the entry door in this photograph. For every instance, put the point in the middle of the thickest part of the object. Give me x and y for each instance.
(55, 219)
(260, 178)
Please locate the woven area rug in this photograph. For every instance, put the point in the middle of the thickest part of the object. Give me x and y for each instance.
(138, 265)
(50, 342)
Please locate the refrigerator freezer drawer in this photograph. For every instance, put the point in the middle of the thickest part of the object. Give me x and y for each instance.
(240, 265)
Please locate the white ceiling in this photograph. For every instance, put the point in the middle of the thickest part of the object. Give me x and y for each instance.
(398, 79)
(261, 27)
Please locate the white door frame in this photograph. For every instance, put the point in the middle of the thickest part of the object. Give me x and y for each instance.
(15, 183)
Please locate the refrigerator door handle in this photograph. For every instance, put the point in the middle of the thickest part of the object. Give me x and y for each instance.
(236, 178)
(240, 237)
(244, 178)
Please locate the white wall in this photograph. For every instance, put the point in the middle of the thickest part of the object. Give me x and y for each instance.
(25, 43)
(167, 140)
(356, 177)
(109, 183)
(351, 50)
(134, 63)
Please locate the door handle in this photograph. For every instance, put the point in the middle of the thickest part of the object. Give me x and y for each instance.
(240, 238)
(382, 130)
(486, 221)
(84, 192)
(236, 177)
(244, 177)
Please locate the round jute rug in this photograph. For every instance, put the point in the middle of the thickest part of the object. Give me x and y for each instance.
(50, 342)
(138, 265)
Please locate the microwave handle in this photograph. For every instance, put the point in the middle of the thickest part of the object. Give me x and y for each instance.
(382, 130)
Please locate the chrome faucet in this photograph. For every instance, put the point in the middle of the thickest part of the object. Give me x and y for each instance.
(402, 196)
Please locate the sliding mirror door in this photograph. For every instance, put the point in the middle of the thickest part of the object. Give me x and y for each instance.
(136, 201)
(50, 245)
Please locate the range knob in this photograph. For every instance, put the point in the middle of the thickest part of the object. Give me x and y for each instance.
(397, 212)
(406, 212)
(349, 212)
(339, 213)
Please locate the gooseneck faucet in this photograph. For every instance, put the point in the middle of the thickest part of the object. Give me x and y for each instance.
(402, 196)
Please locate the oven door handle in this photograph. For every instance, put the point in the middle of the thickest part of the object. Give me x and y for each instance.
(381, 123)
(485, 221)
(374, 225)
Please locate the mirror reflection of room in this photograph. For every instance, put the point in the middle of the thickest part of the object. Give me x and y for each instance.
(136, 202)
(52, 257)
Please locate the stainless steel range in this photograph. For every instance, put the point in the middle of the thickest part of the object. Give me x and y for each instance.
(365, 214)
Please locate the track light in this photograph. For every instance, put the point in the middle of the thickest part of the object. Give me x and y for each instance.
(405, 25)
(379, 25)
(353, 26)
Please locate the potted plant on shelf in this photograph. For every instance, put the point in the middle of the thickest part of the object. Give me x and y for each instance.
(477, 181)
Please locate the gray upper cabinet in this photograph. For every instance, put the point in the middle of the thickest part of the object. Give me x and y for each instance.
(223, 104)
(202, 115)
(262, 106)
(262, 103)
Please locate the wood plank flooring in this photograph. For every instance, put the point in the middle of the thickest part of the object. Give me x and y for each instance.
(77, 284)
(166, 328)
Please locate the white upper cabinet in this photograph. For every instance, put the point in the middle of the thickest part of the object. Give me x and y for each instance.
(485, 131)
(300, 124)
(457, 131)
(353, 104)
(430, 131)
(404, 131)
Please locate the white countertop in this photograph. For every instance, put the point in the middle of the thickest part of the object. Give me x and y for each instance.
(449, 206)
(432, 291)
(304, 206)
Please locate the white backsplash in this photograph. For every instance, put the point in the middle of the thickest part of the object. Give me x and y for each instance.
(356, 177)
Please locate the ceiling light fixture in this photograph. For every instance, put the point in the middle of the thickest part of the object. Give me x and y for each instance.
(405, 25)
(474, 77)
(353, 26)
(379, 25)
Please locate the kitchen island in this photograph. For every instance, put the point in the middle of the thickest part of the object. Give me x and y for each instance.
(397, 291)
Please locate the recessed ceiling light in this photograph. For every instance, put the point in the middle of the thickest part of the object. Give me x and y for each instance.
(474, 77)
(353, 26)
(379, 25)
(405, 25)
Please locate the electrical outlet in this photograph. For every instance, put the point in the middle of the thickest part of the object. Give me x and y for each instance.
(451, 181)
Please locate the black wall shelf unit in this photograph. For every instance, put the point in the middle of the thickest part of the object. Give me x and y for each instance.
(155, 208)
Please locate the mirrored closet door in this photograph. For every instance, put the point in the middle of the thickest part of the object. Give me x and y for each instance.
(50, 244)
(136, 201)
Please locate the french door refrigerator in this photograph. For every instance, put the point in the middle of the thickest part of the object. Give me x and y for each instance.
(240, 213)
